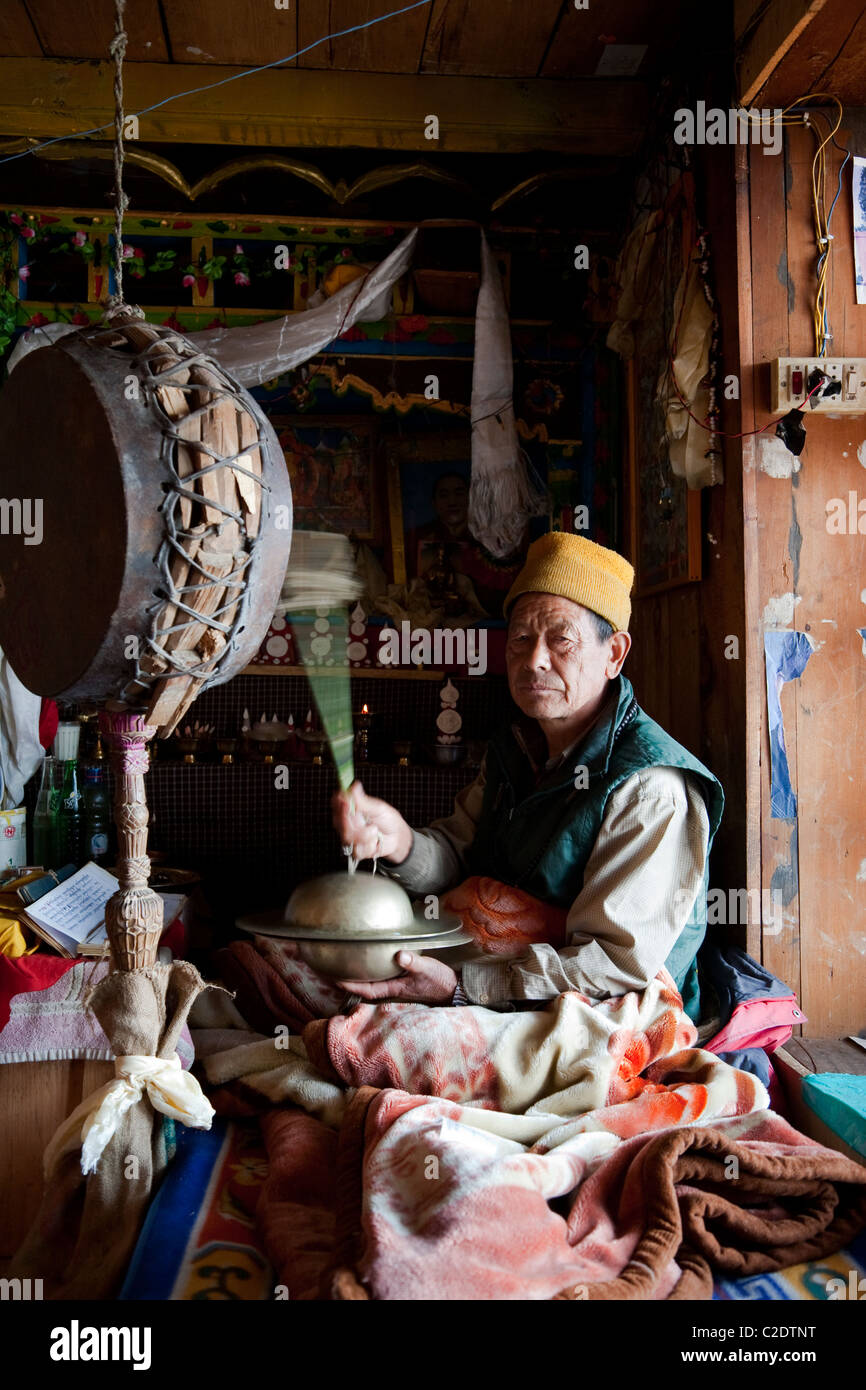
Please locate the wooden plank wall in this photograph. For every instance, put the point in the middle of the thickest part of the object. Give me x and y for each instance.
(35, 1099)
(677, 664)
(816, 863)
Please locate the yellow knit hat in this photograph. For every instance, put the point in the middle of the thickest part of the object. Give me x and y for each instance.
(573, 567)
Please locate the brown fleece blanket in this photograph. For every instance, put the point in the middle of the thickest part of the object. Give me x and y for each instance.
(646, 1168)
(654, 1219)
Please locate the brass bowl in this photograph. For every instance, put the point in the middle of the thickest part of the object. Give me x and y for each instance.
(352, 905)
(372, 960)
(351, 926)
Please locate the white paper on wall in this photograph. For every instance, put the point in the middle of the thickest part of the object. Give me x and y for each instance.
(858, 200)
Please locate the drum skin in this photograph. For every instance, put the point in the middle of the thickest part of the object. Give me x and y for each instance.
(98, 462)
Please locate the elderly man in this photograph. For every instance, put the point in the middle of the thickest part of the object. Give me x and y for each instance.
(584, 802)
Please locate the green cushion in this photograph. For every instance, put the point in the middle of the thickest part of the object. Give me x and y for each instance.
(840, 1101)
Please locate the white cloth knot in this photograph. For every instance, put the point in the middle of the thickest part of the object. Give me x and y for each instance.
(169, 1088)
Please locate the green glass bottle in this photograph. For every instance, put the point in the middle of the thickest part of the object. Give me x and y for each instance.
(71, 817)
(46, 849)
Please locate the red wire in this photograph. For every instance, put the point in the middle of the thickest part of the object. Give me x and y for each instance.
(726, 434)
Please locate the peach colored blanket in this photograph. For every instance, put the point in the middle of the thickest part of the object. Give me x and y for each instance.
(584, 1149)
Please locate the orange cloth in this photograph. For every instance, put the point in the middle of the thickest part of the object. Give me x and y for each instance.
(503, 919)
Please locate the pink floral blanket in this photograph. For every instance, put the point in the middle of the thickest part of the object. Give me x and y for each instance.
(431, 1207)
(582, 1150)
(624, 1066)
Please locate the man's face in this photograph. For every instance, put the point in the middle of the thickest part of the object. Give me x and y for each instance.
(451, 500)
(557, 668)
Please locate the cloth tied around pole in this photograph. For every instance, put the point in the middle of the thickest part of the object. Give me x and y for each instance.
(97, 1192)
(170, 1090)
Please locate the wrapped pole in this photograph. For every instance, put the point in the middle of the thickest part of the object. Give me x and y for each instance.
(134, 914)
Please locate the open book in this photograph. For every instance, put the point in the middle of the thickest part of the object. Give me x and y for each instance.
(71, 918)
(73, 913)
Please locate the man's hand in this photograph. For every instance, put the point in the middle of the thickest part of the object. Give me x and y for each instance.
(426, 981)
(372, 828)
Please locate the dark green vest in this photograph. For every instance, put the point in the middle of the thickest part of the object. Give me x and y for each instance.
(541, 839)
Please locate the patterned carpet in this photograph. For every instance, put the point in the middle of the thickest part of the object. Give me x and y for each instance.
(200, 1239)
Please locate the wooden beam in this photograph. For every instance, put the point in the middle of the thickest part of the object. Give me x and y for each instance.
(778, 28)
(298, 107)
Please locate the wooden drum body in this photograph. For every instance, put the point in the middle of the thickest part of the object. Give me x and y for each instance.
(87, 454)
(148, 521)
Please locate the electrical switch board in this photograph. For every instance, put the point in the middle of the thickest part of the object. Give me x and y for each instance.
(831, 385)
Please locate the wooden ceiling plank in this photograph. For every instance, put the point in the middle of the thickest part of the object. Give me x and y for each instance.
(18, 38)
(582, 35)
(744, 11)
(828, 56)
(240, 33)
(85, 28)
(392, 46)
(775, 34)
(845, 74)
(506, 40)
(433, 39)
(302, 108)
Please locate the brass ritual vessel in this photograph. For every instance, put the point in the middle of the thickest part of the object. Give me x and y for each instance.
(351, 926)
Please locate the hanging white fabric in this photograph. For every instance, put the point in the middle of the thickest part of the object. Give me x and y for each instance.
(501, 496)
(265, 350)
(682, 388)
(257, 354)
(20, 749)
(633, 275)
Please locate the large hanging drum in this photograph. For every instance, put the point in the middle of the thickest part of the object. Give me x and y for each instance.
(164, 519)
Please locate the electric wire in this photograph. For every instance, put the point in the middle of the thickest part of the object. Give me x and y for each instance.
(824, 239)
(233, 77)
(812, 118)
